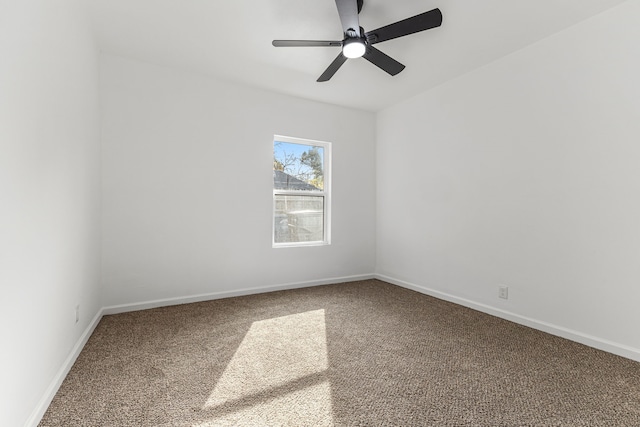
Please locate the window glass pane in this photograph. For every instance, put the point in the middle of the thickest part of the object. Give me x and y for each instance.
(298, 167)
(298, 219)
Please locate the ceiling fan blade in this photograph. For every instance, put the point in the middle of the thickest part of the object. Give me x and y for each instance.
(348, 11)
(306, 43)
(415, 24)
(331, 70)
(383, 61)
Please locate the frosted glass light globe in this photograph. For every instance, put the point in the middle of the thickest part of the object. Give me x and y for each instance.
(353, 48)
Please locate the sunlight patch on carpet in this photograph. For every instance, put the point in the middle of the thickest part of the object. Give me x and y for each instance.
(278, 370)
(310, 406)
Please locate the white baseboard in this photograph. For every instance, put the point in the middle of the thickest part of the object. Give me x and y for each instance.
(51, 391)
(602, 344)
(124, 308)
(589, 340)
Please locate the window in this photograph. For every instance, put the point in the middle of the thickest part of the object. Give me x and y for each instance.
(301, 192)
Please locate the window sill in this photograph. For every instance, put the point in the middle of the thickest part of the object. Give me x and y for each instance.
(299, 244)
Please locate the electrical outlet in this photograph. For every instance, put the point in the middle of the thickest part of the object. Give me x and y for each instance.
(77, 313)
(503, 292)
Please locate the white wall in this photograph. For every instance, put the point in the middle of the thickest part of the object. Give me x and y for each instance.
(49, 183)
(187, 185)
(525, 173)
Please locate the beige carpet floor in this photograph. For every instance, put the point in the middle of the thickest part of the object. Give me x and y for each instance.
(356, 354)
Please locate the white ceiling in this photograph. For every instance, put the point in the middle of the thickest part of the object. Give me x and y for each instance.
(231, 39)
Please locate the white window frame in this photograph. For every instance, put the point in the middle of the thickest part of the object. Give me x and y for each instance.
(325, 193)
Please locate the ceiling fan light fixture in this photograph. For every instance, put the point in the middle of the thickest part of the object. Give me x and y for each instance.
(353, 48)
(356, 42)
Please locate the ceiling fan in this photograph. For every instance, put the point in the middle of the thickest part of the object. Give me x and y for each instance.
(357, 43)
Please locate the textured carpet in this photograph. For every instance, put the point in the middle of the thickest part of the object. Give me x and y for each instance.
(356, 354)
